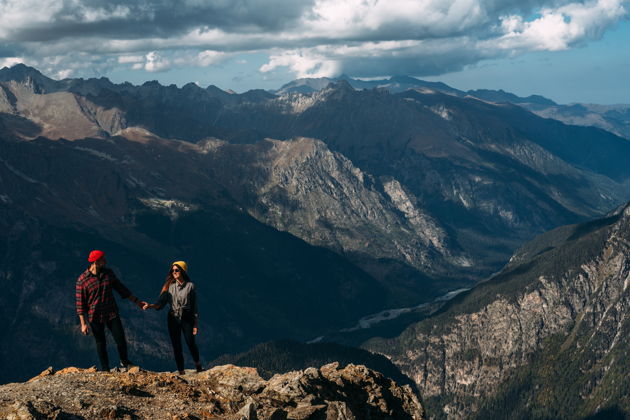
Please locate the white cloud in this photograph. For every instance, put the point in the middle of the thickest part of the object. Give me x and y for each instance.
(125, 59)
(63, 73)
(89, 15)
(559, 29)
(452, 41)
(412, 18)
(309, 37)
(156, 63)
(10, 61)
(22, 14)
(208, 58)
(305, 63)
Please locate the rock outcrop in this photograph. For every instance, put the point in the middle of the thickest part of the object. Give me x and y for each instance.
(223, 392)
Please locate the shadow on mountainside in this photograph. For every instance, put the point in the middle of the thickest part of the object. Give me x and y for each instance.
(610, 413)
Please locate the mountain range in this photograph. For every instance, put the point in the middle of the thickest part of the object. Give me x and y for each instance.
(302, 211)
(493, 175)
(613, 118)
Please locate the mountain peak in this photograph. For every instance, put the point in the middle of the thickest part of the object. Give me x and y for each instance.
(20, 68)
(305, 85)
(404, 79)
(340, 85)
(501, 95)
(152, 83)
(191, 86)
(19, 71)
(22, 73)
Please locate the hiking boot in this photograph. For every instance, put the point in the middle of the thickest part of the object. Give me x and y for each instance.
(199, 367)
(127, 364)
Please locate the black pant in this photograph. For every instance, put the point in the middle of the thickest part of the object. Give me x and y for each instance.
(177, 326)
(116, 328)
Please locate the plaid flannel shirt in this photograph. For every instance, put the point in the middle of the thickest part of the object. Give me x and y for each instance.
(94, 295)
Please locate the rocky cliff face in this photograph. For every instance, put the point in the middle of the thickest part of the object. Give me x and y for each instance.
(302, 187)
(226, 392)
(58, 114)
(543, 338)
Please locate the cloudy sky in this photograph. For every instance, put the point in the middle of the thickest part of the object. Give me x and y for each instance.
(568, 50)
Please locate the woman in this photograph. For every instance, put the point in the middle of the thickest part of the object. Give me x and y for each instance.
(180, 293)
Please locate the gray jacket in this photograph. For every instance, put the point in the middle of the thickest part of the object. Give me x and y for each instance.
(181, 298)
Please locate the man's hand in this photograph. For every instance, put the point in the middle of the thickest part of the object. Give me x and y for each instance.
(195, 330)
(85, 328)
(138, 302)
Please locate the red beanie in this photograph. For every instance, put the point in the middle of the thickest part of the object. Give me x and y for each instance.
(95, 255)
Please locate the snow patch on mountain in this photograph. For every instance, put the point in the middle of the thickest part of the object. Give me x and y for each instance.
(171, 208)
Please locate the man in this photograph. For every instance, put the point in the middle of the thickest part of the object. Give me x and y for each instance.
(97, 308)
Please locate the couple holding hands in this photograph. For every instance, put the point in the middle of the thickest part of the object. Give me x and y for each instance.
(97, 309)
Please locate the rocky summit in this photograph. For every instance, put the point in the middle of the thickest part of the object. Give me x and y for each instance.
(223, 392)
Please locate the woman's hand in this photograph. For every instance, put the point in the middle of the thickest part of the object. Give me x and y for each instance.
(195, 330)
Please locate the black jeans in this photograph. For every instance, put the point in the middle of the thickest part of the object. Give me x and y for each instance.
(176, 327)
(116, 328)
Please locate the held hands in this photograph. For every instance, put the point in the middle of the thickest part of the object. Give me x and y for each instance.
(140, 303)
(146, 306)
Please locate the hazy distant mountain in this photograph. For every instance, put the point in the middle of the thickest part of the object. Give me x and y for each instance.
(545, 338)
(499, 96)
(613, 118)
(394, 84)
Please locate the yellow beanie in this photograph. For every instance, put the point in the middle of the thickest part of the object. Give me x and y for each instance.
(182, 265)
